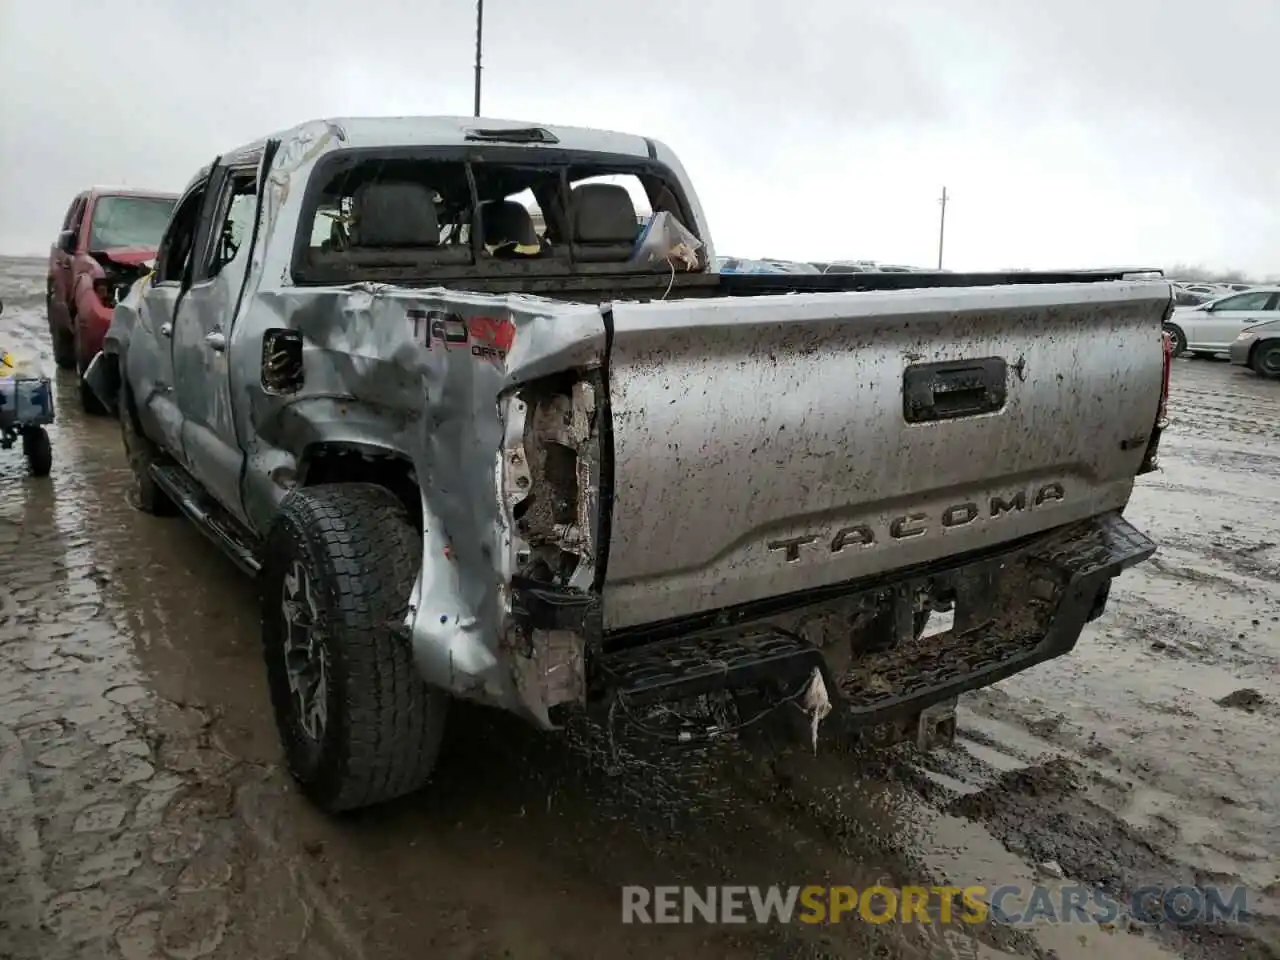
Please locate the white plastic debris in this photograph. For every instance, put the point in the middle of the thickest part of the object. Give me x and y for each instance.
(816, 703)
(666, 239)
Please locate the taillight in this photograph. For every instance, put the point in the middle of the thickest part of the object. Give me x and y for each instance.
(1162, 417)
(1150, 461)
(548, 479)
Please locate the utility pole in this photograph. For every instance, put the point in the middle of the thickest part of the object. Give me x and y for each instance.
(479, 29)
(942, 222)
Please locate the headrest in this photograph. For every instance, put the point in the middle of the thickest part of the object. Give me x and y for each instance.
(507, 221)
(602, 213)
(394, 214)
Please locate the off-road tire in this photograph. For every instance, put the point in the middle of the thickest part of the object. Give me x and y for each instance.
(1265, 360)
(38, 451)
(64, 347)
(1179, 338)
(384, 725)
(142, 453)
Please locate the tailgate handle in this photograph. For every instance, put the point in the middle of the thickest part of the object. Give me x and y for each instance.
(952, 389)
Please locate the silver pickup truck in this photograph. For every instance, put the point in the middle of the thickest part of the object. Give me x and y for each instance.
(467, 458)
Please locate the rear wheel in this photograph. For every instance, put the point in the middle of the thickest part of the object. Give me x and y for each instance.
(1266, 359)
(1179, 338)
(358, 725)
(142, 453)
(64, 347)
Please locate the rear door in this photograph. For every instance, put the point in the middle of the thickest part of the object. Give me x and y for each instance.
(203, 327)
(767, 445)
(150, 355)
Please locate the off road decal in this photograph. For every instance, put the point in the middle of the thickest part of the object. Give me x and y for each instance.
(487, 338)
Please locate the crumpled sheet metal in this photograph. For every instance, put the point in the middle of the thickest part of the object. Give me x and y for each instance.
(376, 380)
(373, 348)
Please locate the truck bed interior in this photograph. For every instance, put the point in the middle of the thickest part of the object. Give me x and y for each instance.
(586, 285)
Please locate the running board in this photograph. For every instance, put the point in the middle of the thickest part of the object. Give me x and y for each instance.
(207, 514)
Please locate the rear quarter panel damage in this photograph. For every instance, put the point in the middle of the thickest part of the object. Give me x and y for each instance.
(417, 375)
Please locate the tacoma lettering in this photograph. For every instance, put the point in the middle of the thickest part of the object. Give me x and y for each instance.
(911, 525)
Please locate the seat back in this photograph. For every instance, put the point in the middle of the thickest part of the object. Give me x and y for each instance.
(603, 222)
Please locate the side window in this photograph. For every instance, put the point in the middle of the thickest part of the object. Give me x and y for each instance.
(179, 243)
(75, 216)
(233, 226)
(1275, 302)
(1245, 301)
(72, 213)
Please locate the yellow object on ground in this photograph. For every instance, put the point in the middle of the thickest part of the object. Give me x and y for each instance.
(11, 366)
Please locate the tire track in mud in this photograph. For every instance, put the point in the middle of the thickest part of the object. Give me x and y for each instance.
(1123, 763)
(116, 807)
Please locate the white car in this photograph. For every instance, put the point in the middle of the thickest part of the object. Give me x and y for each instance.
(1212, 327)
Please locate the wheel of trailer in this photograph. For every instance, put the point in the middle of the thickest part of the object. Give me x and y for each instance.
(1179, 338)
(142, 453)
(38, 451)
(358, 725)
(1266, 359)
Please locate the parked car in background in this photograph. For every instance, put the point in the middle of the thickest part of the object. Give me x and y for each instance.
(108, 236)
(1214, 326)
(1258, 348)
(740, 265)
(1205, 289)
(1185, 298)
(846, 266)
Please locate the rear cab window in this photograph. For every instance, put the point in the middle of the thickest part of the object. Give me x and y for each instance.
(432, 213)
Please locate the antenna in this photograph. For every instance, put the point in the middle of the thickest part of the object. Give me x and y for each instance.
(942, 220)
(479, 30)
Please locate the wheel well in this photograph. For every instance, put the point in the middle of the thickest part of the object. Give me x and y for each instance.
(344, 463)
(1261, 345)
(126, 401)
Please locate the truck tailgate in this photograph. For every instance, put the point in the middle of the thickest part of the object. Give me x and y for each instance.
(766, 445)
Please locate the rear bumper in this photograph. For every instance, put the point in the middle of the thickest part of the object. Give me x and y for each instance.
(1013, 609)
(1239, 351)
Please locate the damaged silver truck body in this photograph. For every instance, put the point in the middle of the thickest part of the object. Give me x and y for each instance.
(543, 472)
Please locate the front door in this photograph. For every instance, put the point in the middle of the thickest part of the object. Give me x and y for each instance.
(1217, 327)
(60, 286)
(202, 330)
(150, 353)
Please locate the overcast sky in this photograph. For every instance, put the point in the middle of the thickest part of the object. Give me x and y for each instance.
(1092, 132)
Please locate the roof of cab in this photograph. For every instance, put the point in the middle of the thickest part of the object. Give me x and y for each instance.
(356, 132)
(103, 190)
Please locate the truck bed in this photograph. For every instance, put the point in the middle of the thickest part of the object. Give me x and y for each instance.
(593, 282)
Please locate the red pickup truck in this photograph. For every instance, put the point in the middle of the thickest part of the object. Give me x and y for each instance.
(107, 238)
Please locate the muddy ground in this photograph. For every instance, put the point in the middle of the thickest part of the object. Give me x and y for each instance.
(143, 813)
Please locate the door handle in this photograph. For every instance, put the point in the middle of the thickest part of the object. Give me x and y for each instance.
(217, 340)
(166, 329)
